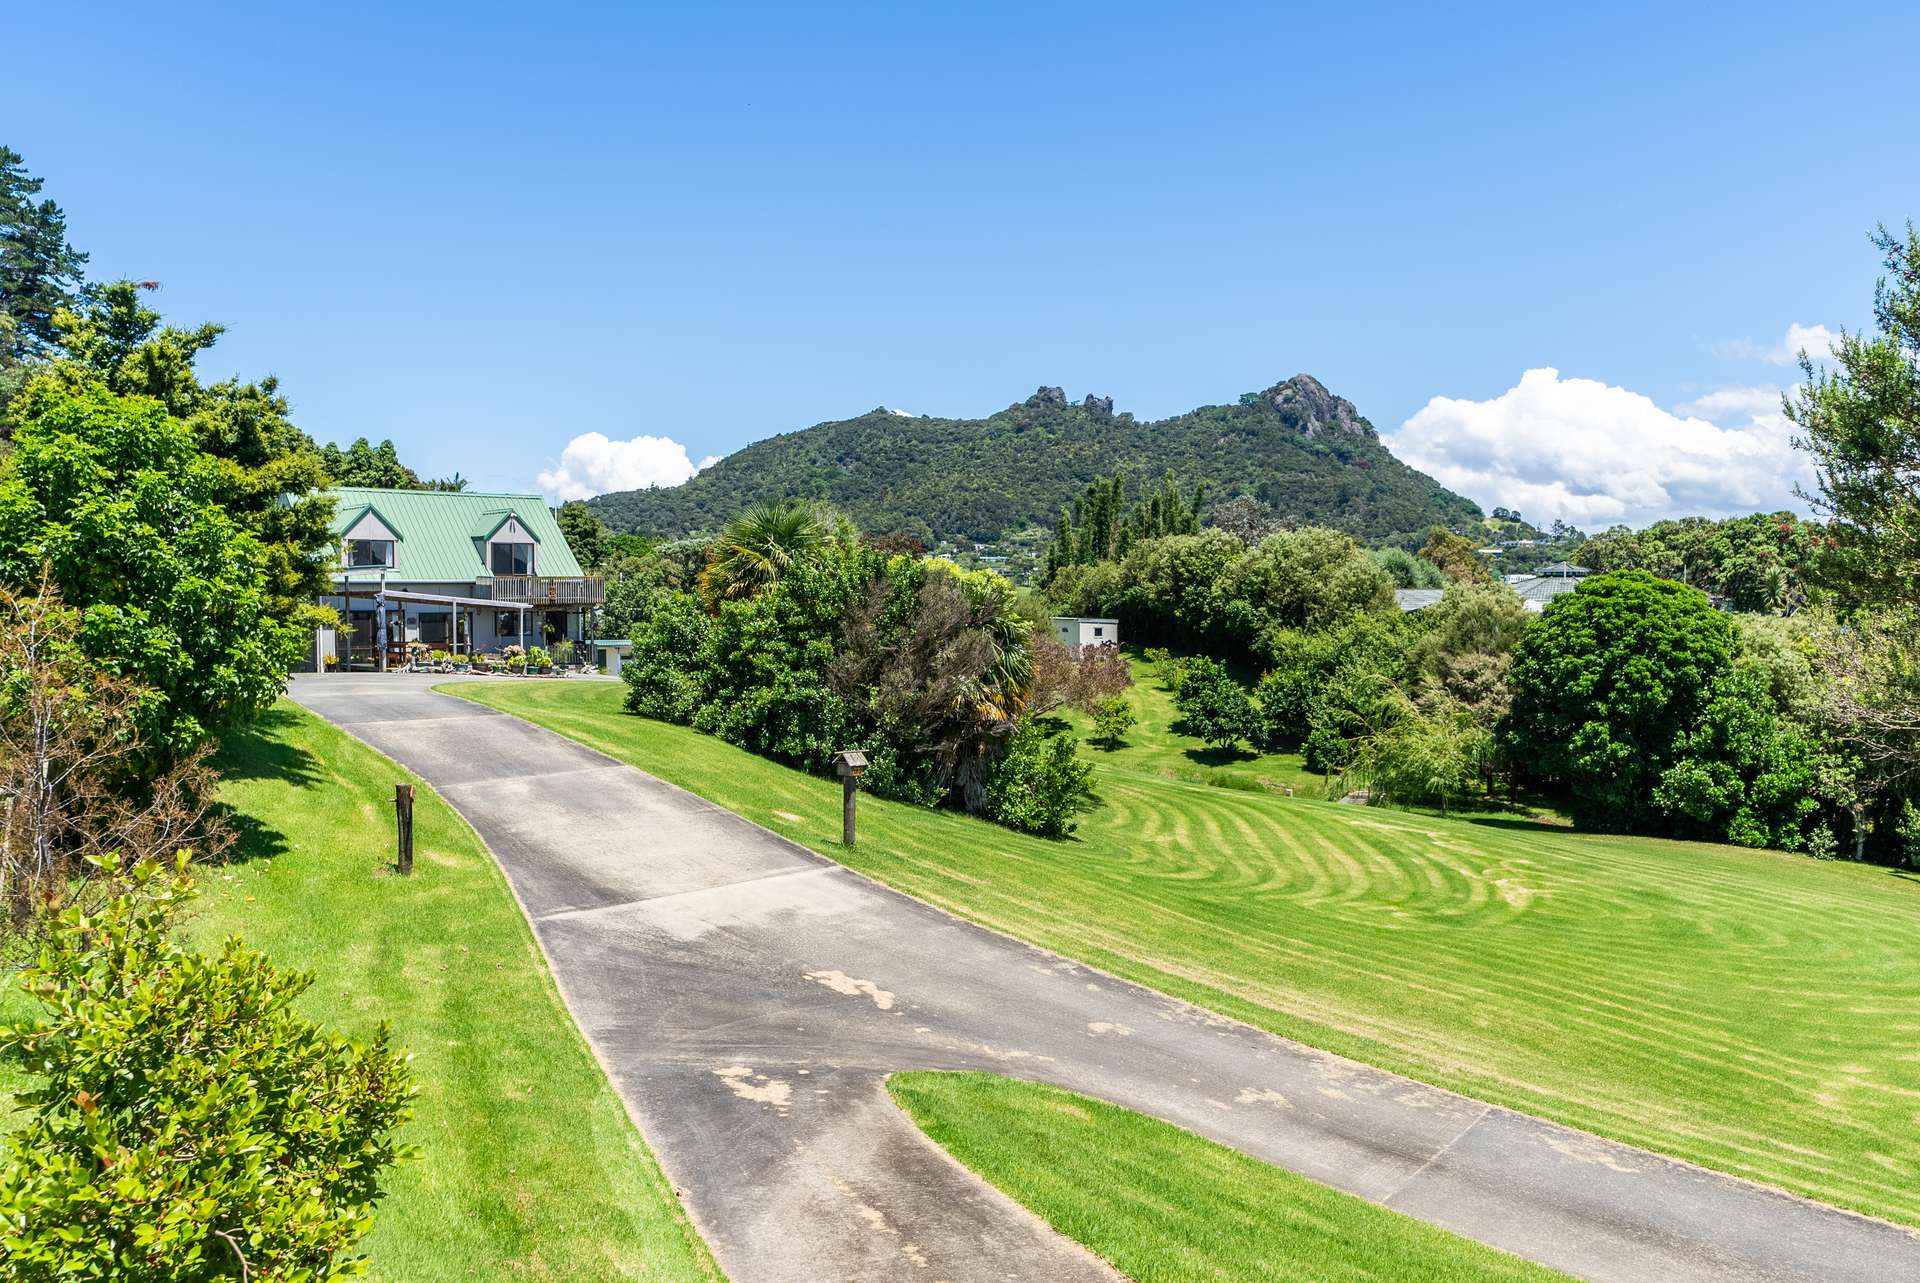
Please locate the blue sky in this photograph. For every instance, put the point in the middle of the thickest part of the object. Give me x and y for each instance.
(485, 231)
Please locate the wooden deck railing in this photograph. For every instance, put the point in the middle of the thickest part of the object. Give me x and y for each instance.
(588, 590)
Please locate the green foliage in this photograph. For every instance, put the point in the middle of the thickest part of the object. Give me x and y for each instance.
(365, 464)
(40, 273)
(585, 533)
(1407, 570)
(1040, 784)
(1434, 756)
(1605, 685)
(1214, 707)
(1164, 590)
(1305, 578)
(268, 473)
(538, 658)
(1466, 648)
(1356, 703)
(665, 673)
(1305, 453)
(760, 546)
(922, 664)
(1860, 419)
(1740, 774)
(1113, 717)
(111, 494)
(1100, 527)
(184, 1122)
(1455, 556)
(1759, 563)
(1304, 663)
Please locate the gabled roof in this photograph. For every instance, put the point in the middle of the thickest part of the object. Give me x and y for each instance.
(444, 533)
(1412, 599)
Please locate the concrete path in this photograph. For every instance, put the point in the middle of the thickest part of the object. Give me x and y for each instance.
(749, 998)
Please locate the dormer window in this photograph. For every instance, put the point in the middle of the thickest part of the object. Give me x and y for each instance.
(512, 558)
(375, 553)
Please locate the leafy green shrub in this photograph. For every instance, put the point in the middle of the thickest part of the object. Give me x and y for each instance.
(1407, 570)
(1741, 774)
(1430, 757)
(537, 657)
(1113, 717)
(1041, 783)
(1156, 655)
(113, 497)
(1213, 706)
(663, 678)
(1355, 704)
(184, 1123)
(1605, 684)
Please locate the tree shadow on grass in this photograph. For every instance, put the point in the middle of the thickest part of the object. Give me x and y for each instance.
(1518, 820)
(1229, 756)
(263, 750)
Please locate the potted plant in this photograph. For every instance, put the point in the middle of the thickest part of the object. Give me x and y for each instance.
(563, 654)
(515, 658)
(460, 663)
(539, 661)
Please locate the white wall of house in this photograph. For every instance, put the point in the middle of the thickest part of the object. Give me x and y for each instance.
(1077, 631)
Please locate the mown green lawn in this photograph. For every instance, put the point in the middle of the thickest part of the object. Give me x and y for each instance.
(1162, 1205)
(529, 1167)
(1751, 1011)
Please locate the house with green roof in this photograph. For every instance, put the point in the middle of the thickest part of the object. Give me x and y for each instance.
(458, 571)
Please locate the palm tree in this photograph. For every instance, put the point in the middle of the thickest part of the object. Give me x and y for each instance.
(759, 546)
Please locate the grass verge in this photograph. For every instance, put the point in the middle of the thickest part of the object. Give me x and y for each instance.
(1750, 1011)
(529, 1166)
(1162, 1205)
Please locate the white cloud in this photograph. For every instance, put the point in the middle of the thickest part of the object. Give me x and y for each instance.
(1593, 454)
(592, 464)
(1817, 341)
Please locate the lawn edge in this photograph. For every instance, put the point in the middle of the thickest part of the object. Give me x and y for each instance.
(551, 987)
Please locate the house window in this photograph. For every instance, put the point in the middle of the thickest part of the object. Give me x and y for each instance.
(513, 559)
(1099, 632)
(369, 552)
(436, 630)
(506, 624)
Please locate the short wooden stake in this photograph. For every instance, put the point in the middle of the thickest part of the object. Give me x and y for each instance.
(846, 809)
(403, 818)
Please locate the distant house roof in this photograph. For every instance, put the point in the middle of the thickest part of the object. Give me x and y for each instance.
(1562, 568)
(1411, 599)
(443, 534)
(1537, 590)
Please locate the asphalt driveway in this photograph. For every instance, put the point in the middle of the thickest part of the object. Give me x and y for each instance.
(749, 998)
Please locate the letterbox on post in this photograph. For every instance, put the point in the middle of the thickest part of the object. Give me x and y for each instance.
(848, 763)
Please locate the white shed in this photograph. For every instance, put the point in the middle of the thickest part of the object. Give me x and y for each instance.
(1075, 631)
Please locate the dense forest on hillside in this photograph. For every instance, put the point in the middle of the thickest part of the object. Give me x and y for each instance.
(1307, 454)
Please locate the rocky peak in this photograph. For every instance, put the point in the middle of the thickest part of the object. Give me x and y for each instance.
(1304, 404)
(1098, 404)
(1048, 396)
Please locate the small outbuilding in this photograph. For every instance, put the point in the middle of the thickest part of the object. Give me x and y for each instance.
(1076, 631)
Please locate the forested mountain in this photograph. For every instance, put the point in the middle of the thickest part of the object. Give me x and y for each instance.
(1306, 453)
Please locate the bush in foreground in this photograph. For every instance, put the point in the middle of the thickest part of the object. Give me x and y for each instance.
(186, 1124)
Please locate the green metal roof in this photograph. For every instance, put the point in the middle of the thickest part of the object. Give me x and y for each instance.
(443, 534)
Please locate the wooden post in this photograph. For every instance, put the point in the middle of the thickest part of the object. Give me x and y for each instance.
(848, 764)
(403, 817)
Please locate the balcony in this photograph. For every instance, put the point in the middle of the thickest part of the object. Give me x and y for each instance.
(588, 590)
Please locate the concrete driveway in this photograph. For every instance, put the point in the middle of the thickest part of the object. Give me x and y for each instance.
(749, 998)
